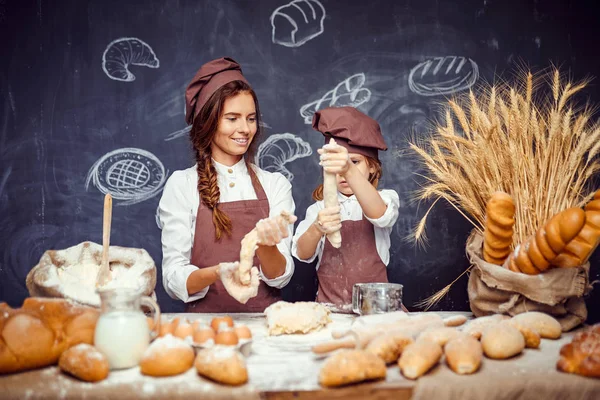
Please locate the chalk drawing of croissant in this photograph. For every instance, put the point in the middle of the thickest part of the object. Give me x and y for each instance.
(297, 22)
(280, 149)
(443, 75)
(122, 53)
(349, 92)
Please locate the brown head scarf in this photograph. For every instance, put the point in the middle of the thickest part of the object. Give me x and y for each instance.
(350, 128)
(210, 77)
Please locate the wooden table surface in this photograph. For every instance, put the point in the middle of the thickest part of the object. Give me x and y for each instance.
(282, 367)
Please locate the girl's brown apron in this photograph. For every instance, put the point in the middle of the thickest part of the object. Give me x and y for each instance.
(356, 261)
(208, 252)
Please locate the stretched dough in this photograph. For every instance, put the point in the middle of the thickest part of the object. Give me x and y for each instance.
(230, 276)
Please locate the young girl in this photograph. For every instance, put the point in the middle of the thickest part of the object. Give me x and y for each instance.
(365, 216)
(206, 210)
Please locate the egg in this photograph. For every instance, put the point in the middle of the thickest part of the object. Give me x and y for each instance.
(243, 332)
(216, 321)
(203, 335)
(226, 337)
(150, 322)
(183, 330)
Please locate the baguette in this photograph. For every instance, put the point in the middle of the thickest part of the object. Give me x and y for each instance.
(351, 366)
(498, 230)
(578, 251)
(543, 324)
(594, 204)
(537, 253)
(36, 334)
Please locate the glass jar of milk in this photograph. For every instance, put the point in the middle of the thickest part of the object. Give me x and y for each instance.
(122, 331)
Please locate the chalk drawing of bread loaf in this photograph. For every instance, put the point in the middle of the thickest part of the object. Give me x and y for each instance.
(443, 75)
(297, 22)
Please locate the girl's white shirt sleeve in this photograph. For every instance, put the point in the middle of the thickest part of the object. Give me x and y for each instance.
(351, 210)
(177, 214)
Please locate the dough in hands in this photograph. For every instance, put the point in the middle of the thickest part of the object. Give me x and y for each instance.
(230, 276)
(300, 317)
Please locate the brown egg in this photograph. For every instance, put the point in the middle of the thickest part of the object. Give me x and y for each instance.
(150, 322)
(168, 327)
(226, 337)
(243, 332)
(203, 334)
(183, 330)
(216, 321)
(199, 324)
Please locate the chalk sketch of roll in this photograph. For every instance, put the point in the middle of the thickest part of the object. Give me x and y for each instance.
(297, 22)
(443, 75)
(123, 52)
(280, 149)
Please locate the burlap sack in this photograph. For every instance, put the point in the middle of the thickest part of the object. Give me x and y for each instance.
(493, 289)
(136, 267)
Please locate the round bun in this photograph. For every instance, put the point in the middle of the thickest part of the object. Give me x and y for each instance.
(167, 356)
(84, 362)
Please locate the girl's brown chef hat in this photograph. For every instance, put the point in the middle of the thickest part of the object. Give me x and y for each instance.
(210, 77)
(350, 128)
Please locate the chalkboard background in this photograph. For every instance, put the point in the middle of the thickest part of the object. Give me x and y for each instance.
(67, 113)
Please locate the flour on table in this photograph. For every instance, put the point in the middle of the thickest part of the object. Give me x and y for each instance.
(300, 317)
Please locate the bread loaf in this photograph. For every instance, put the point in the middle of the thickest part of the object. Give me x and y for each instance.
(36, 334)
(476, 326)
(84, 362)
(440, 336)
(351, 366)
(579, 250)
(582, 355)
(536, 254)
(532, 338)
(545, 325)
(502, 341)
(456, 320)
(167, 356)
(498, 230)
(594, 204)
(463, 354)
(419, 357)
(223, 364)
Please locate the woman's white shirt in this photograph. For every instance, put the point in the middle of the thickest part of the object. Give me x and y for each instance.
(177, 214)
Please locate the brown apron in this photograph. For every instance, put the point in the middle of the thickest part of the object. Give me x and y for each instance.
(356, 261)
(208, 252)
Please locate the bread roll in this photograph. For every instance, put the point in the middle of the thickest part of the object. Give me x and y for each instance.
(456, 320)
(545, 325)
(419, 357)
(36, 334)
(532, 338)
(578, 251)
(223, 364)
(84, 362)
(536, 254)
(502, 341)
(351, 366)
(167, 356)
(582, 355)
(476, 326)
(463, 354)
(388, 346)
(440, 336)
(498, 230)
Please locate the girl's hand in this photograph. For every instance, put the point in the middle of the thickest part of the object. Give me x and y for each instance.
(271, 231)
(334, 159)
(229, 273)
(329, 220)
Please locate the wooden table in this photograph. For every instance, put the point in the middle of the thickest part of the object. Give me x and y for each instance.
(283, 367)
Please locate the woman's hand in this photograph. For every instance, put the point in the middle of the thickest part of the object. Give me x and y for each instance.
(271, 231)
(329, 220)
(334, 159)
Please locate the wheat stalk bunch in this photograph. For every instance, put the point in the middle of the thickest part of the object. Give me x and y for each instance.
(540, 149)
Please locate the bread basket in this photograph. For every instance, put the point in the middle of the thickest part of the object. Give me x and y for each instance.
(71, 273)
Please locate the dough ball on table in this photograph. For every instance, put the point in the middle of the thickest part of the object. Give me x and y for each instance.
(419, 357)
(545, 325)
(351, 366)
(300, 317)
(84, 362)
(502, 341)
(223, 364)
(167, 356)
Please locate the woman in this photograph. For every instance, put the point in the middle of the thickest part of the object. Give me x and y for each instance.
(365, 216)
(206, 210)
